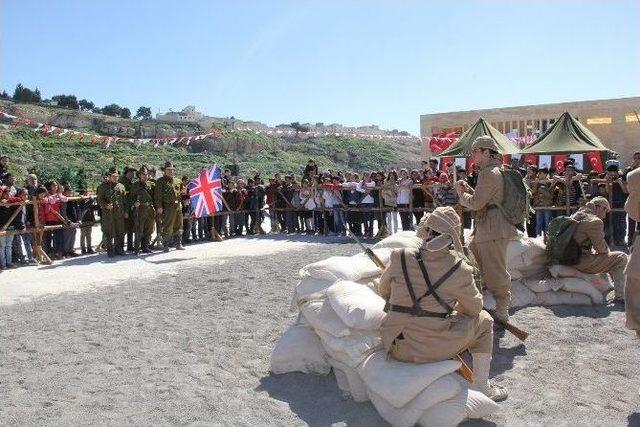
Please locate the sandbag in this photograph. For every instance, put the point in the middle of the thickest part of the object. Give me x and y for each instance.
(335, 268)
(356, 305)
(523, 251)
(398, 382)
(602, 284)
(521, 295)
(321, 317)
(561, 297)
(382, 253)
(403, 239)
(581, 286)
(311, 287)
(442, 389)
(448, 413)
(538, 286)
(350, 382)
(299, 349)
(352, 349)
(479, 405)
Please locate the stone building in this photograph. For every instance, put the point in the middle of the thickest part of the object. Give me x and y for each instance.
(614, 121)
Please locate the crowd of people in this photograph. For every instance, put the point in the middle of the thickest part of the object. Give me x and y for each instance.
(137, 202)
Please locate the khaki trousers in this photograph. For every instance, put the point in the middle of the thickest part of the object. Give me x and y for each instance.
(491, 257)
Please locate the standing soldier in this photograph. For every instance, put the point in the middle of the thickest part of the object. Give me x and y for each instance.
(142, 210)
(491, 229)
(167, 200)
(126, 180)
(632, 287)
(111, 197)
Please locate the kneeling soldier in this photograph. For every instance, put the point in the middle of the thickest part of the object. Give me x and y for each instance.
(595, 256)
(435, 308)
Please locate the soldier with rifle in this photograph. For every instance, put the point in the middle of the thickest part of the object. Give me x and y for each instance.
(434, 308)
(143, 211)
(111, 197)
(166, 196)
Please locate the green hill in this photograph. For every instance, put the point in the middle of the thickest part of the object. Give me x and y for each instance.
(55, 157)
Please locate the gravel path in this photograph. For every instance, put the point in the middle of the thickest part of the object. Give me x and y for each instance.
(192, 346)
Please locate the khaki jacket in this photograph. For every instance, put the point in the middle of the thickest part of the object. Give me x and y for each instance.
(490, 223)
(590, 232)
(430, 338)
(167, 192)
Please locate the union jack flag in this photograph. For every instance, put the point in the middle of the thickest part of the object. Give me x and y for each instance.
(205, 192)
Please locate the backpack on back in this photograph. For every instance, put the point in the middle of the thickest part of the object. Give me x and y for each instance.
(562, 248)
(515, 203)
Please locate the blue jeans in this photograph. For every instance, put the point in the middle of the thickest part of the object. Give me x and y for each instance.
(543, 218)
(338, 220)
(6, 250)
(367, 218)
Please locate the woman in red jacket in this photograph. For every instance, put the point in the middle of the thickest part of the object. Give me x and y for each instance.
(49, 214)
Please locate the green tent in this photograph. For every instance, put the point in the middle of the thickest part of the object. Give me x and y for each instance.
(462, 147)
(566, 135)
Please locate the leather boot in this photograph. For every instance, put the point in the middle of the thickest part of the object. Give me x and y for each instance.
(481, 383)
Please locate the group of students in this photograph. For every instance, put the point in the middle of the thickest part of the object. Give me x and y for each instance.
(434, 304)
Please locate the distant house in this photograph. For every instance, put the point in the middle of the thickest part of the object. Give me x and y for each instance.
(188, 114)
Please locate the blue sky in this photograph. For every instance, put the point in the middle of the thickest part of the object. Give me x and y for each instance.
(351, 62)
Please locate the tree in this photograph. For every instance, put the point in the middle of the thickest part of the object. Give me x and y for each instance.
(125, 113)
(113, 110)
(298, 127)
(86, 105)
(23, 94)
(68, 101)
(143, 113)
(4, 95)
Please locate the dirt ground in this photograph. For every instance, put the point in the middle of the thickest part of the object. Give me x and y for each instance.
(185, 338)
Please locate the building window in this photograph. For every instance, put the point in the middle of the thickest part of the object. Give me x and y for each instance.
(630, 118)
(599, 121)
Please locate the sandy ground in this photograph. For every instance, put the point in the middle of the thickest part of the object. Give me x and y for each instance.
(180, 342)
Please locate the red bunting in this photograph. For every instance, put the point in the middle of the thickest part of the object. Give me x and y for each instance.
(531, 159)
(444, 161)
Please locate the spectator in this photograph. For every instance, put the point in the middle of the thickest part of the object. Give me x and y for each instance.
(70, 211)
(618, 197)
(4, 165)
(365, 187)
(6, 241)
(390, 201)
(446, 194)
(49, 214)
(404, 195)
(542, 196)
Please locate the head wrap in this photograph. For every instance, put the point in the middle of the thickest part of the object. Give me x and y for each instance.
(445, 221)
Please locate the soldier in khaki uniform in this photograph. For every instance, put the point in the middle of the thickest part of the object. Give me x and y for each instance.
(596, 257)
(142, 210)
(126, 180)
(111, 197)
(167, 194)
(491, 230)
(632, 287)
(434, 308)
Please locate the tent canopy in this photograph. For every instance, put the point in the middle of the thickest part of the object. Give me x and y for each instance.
(566, 135)
(462, 147)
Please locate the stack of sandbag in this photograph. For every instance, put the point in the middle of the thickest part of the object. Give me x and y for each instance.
(338, 328)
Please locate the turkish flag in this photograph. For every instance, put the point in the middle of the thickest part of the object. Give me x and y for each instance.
(531, 159)
(595, 161)
(470, 164)
(506, 159)
(444, 161)
(558, 162)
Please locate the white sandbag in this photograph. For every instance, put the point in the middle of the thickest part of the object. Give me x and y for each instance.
(403, 239)
(299, 349)
(356, 305)
(478, 405)
(352, 349)
(525, 253)
(538, 286)
(602, 284)
(581, 286)
(311, 287)
(440, 390)
(397, 382)
(488, 302)
(515, 274)
(350, 382)
(321, 317)
(448, 413)
(341, 268)
(561, 297)
(382, 253)
(521, 295)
